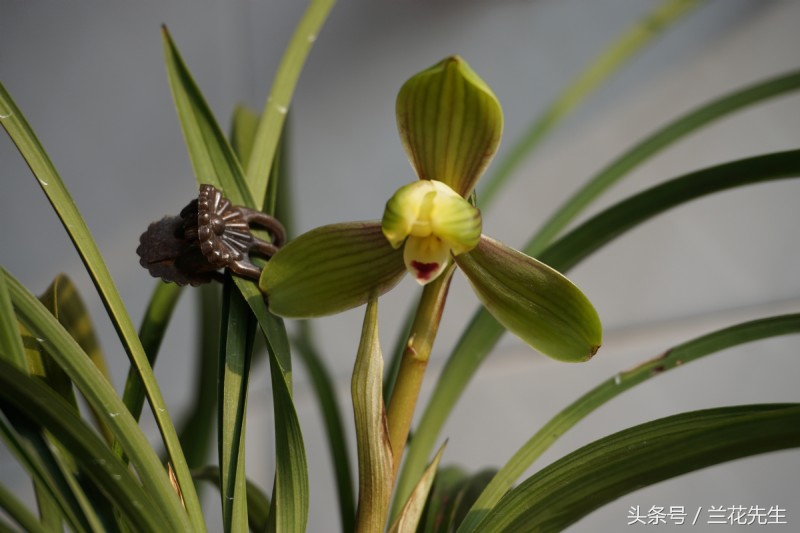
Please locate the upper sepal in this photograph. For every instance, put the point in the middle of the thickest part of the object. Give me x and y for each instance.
(331, 269)
(450, 123)
(533, 301)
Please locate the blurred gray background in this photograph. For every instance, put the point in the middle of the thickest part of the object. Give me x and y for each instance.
(89, 76)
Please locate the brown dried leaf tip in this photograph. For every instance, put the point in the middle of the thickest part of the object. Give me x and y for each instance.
(209, 234)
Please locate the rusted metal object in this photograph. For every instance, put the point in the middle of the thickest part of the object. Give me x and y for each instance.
(209, 235)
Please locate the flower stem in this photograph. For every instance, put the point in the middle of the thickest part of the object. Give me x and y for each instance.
(414, 361)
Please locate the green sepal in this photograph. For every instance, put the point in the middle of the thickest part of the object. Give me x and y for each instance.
(331, 269)
(533, 301)
(450, 123)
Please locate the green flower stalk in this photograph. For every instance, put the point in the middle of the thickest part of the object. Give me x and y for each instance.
(450, 123)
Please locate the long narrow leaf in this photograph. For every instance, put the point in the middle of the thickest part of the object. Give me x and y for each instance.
(196, 429)
(604, 470)
(483, 331)
(616, 220)
(580, 408)
(215, 163)
(18, 512)
(57, 467)
(653, 144)
(40, 403)
(271, 125)
(64, 302)
(464, 496)
(438, 509)
(243, 133)
(334, 425)
(49, 510)
(99, 393)
(154, 325)
(213, 160)
(236, 349)
(625, 47)
(257, 501)
(94, 503)
(10, 339)
(409, 516)
(289, 511)
(47, 176)
(53, 494)
(32, 452)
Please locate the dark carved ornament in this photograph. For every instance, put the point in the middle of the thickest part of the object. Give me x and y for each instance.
(209, 235)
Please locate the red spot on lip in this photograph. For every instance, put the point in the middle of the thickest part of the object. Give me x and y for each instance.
(424, 270)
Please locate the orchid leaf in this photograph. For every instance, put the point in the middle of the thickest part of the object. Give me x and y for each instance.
(17, 511)
(151, 332)
(236, 347)
(448, 482)
(196, 428)
(11, 338)
(464, 497)
(625, 215)
(375, 467)
(289, 510)
(324, 386)
(409, 516)
(450, 123)
(270, 127)
(215, 162)
(533, 301)
(306, 347)
(45, 173)
(570, 488)
(652, 145)
(677, 356)
(352, 263)
(38, 402)
(54, 494)
(243, 132)
(55, 499)
(64, 302)
(610, 60)
(257, 501)
(101, 395)
(213, 159)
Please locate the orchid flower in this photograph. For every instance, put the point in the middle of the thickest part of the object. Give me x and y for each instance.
(450, 123)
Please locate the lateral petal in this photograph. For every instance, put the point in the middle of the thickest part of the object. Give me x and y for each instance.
(533, 301)
(331, 269)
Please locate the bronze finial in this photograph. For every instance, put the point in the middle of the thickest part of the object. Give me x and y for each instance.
(209, 235)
